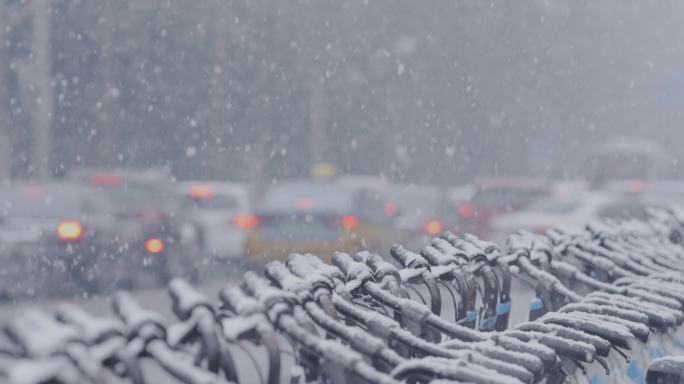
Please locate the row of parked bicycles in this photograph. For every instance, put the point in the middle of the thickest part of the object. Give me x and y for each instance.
(608, 305)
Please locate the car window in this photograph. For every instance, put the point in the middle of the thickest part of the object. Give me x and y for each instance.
(555, 207)
(217, 202)
(307, 197)
(506, 198)
(40, 202)
(376, 206)
(418, 204)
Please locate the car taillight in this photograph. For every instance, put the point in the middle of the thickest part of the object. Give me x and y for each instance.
(635, 186)
(32, 192)
(245, 221)
(198, 192)
(150, 215)
(69, 231)
(154, 245)
(433, 227)
(391, 209)
(542, 229)
(304, 203)
(467, 211)
(349, 222)
(105, 180)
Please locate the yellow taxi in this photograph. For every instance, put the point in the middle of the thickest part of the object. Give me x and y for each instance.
(319, 217)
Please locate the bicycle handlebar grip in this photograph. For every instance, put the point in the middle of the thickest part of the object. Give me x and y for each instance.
(519, 243)
(381, 268)
(599, 229)
(278, 273)
(461, 370)
(640, 331)
(255, 285)
(328, 270)
(361, 256)
(298, 265)
(668, 369)
(406, 258)
(616, 334)
(351, 269)
(235, 299)
(450, 237)
(545, 354)
(185, 298)
(39, 335)
(564, 268)
(94, 329)
(625, 314)
(259, 287)
(577, 350)
(446, 247)
(487, 247)
(602, 345)
(659, 318)
(470, 251)
(435, 257)
(132, 313)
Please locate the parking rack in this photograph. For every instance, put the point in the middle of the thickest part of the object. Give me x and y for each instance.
(608, 306)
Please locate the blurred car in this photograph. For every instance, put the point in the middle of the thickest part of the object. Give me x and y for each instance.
(221, 212)
(378, 212)
(370, 196)
(355, 182)
(150, 218)
(311, 217)
(421, 212)
(52, 234)
(570, 211)
(494, 197)
(670, 190)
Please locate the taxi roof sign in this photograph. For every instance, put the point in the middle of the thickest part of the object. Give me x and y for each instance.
(323, 171)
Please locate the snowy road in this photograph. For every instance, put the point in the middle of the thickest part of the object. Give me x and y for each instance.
(211, 281)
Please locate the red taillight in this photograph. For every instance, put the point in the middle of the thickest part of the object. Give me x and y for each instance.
(105, 180)
(433, 227)
(245, 221)
(304, 203)
(636, 186)
(150, 215)
(154, 245)
(32, 192)
(391, 209)
(349, 222)
(467, 211)
(201, 192)
(69, 231)
(542, 230)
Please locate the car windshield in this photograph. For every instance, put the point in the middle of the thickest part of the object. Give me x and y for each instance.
(418, 203)
(555, 207)
(306, 197)
(216, 202)
(506, 198)
(129, 199)
(39, 202)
